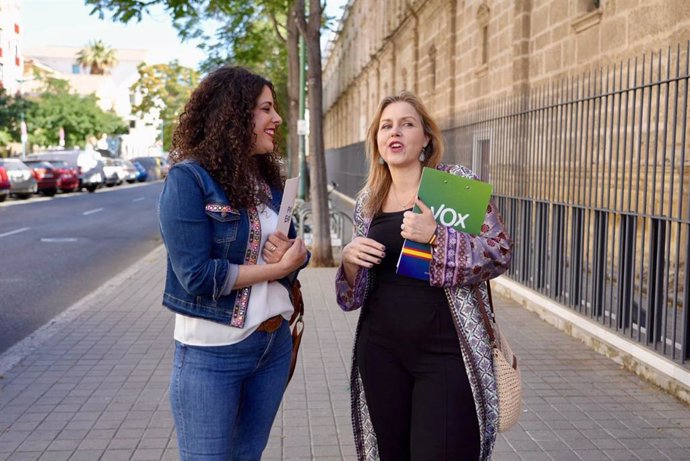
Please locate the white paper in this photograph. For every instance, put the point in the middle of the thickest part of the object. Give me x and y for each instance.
(287, 205)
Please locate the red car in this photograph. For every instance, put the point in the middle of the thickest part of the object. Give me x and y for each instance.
(46, 176)
(4, 185)
(68, 180)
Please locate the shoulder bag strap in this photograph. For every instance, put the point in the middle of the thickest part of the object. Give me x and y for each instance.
(296, 324)
(485, 316)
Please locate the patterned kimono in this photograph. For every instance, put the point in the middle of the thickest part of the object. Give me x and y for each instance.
(461, 263)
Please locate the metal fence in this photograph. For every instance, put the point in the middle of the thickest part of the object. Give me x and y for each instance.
(591, 176)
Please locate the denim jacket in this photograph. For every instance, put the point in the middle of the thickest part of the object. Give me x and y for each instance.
(206, 240)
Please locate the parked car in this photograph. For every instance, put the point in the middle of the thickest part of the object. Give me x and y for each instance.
(22, 181)
(112, 172)
(154, 166)
(131, 172)
(46, 175)
(4, 184)
(142, 175)
(69, 176)
(89, 164)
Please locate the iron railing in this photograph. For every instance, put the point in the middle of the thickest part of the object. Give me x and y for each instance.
(591, 176)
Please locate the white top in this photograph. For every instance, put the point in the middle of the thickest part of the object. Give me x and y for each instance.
(267, 299)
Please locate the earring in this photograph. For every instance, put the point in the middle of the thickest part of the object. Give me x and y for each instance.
(422, 154)
(381, 161)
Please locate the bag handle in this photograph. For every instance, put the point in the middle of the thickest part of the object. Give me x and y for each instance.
(487, 321)
(485, 316)
(297, 302)
(296, 323)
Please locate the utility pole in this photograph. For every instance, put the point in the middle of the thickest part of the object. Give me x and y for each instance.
(24, 136)
(302, 124)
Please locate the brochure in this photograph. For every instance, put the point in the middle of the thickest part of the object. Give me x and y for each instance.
(454, 201)
(287, 205)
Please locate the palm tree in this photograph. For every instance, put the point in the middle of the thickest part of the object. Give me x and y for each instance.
(98, 57)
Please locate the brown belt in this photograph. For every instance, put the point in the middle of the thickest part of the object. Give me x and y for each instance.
(271, 325)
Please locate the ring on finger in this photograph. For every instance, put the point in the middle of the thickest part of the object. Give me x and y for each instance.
(272, 248)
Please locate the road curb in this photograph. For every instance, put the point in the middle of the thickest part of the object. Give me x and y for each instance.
(26, 346)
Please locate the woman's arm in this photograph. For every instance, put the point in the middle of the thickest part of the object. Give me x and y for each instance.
(350, 279)
(463, 259)
(187, 234)
(293, 259)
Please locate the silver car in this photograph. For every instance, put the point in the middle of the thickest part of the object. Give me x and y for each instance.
(22, 181)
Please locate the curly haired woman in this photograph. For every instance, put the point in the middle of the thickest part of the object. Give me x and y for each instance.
(228, 272)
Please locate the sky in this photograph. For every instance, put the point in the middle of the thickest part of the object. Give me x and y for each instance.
(68, 23)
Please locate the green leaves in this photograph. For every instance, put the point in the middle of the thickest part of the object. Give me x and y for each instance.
(11, 110)
(79, 116)
(237, 32)
(164, 88)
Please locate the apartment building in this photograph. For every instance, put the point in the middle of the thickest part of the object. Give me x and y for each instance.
(11, 62)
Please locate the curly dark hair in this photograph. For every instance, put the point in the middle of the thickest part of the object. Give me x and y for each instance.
(216, 128)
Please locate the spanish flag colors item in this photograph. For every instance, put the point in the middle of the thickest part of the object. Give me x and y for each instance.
(455, 201)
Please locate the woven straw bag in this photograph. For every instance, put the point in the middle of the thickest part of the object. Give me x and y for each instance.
(506, 371)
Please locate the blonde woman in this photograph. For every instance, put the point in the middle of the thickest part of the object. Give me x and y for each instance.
(422, 379)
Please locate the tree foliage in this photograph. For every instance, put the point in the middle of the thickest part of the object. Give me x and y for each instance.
(164, 88)
(237, 32)
(253, 34)
(11, 110)
(79, 116)
(97, 57)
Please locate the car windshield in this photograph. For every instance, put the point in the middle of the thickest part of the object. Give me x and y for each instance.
(13, 164)
(38, 164)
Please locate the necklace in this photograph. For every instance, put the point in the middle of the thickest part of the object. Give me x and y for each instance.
(407, 204)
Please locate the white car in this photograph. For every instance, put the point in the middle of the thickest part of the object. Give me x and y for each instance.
(129, 170)
(113, 171)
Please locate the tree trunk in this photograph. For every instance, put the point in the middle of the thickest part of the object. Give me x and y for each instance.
(293, 91)
(322, 253)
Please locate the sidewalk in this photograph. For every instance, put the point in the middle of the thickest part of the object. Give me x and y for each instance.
(93, 386)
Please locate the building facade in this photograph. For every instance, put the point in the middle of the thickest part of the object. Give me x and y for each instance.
(456, 54)
(113, 90)
(11, 61)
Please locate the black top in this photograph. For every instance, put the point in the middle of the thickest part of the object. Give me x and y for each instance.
(399, 307)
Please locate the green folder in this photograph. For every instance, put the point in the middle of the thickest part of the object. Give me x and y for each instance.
(455, 201)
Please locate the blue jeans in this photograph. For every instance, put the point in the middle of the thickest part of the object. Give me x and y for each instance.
(224, 399)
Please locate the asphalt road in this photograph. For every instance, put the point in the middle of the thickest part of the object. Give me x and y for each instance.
(55, 251)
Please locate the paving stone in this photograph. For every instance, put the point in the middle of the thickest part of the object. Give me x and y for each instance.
(97, 389)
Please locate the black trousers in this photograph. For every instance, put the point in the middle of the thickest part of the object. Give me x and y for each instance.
(419, 400)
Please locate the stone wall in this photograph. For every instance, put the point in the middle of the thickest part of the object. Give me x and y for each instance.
(456, 54)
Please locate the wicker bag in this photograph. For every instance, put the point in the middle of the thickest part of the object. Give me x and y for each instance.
(507, 373)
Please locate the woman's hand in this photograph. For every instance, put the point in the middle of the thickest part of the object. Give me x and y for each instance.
(291, 260)
(361, 252)
(277, 244)
(418, 227)
(294, 257)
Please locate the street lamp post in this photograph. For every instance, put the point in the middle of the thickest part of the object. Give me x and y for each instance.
(302, 192)
(24, 136)
(22, 125)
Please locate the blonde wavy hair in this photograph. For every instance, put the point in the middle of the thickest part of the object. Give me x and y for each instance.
(379, 179)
